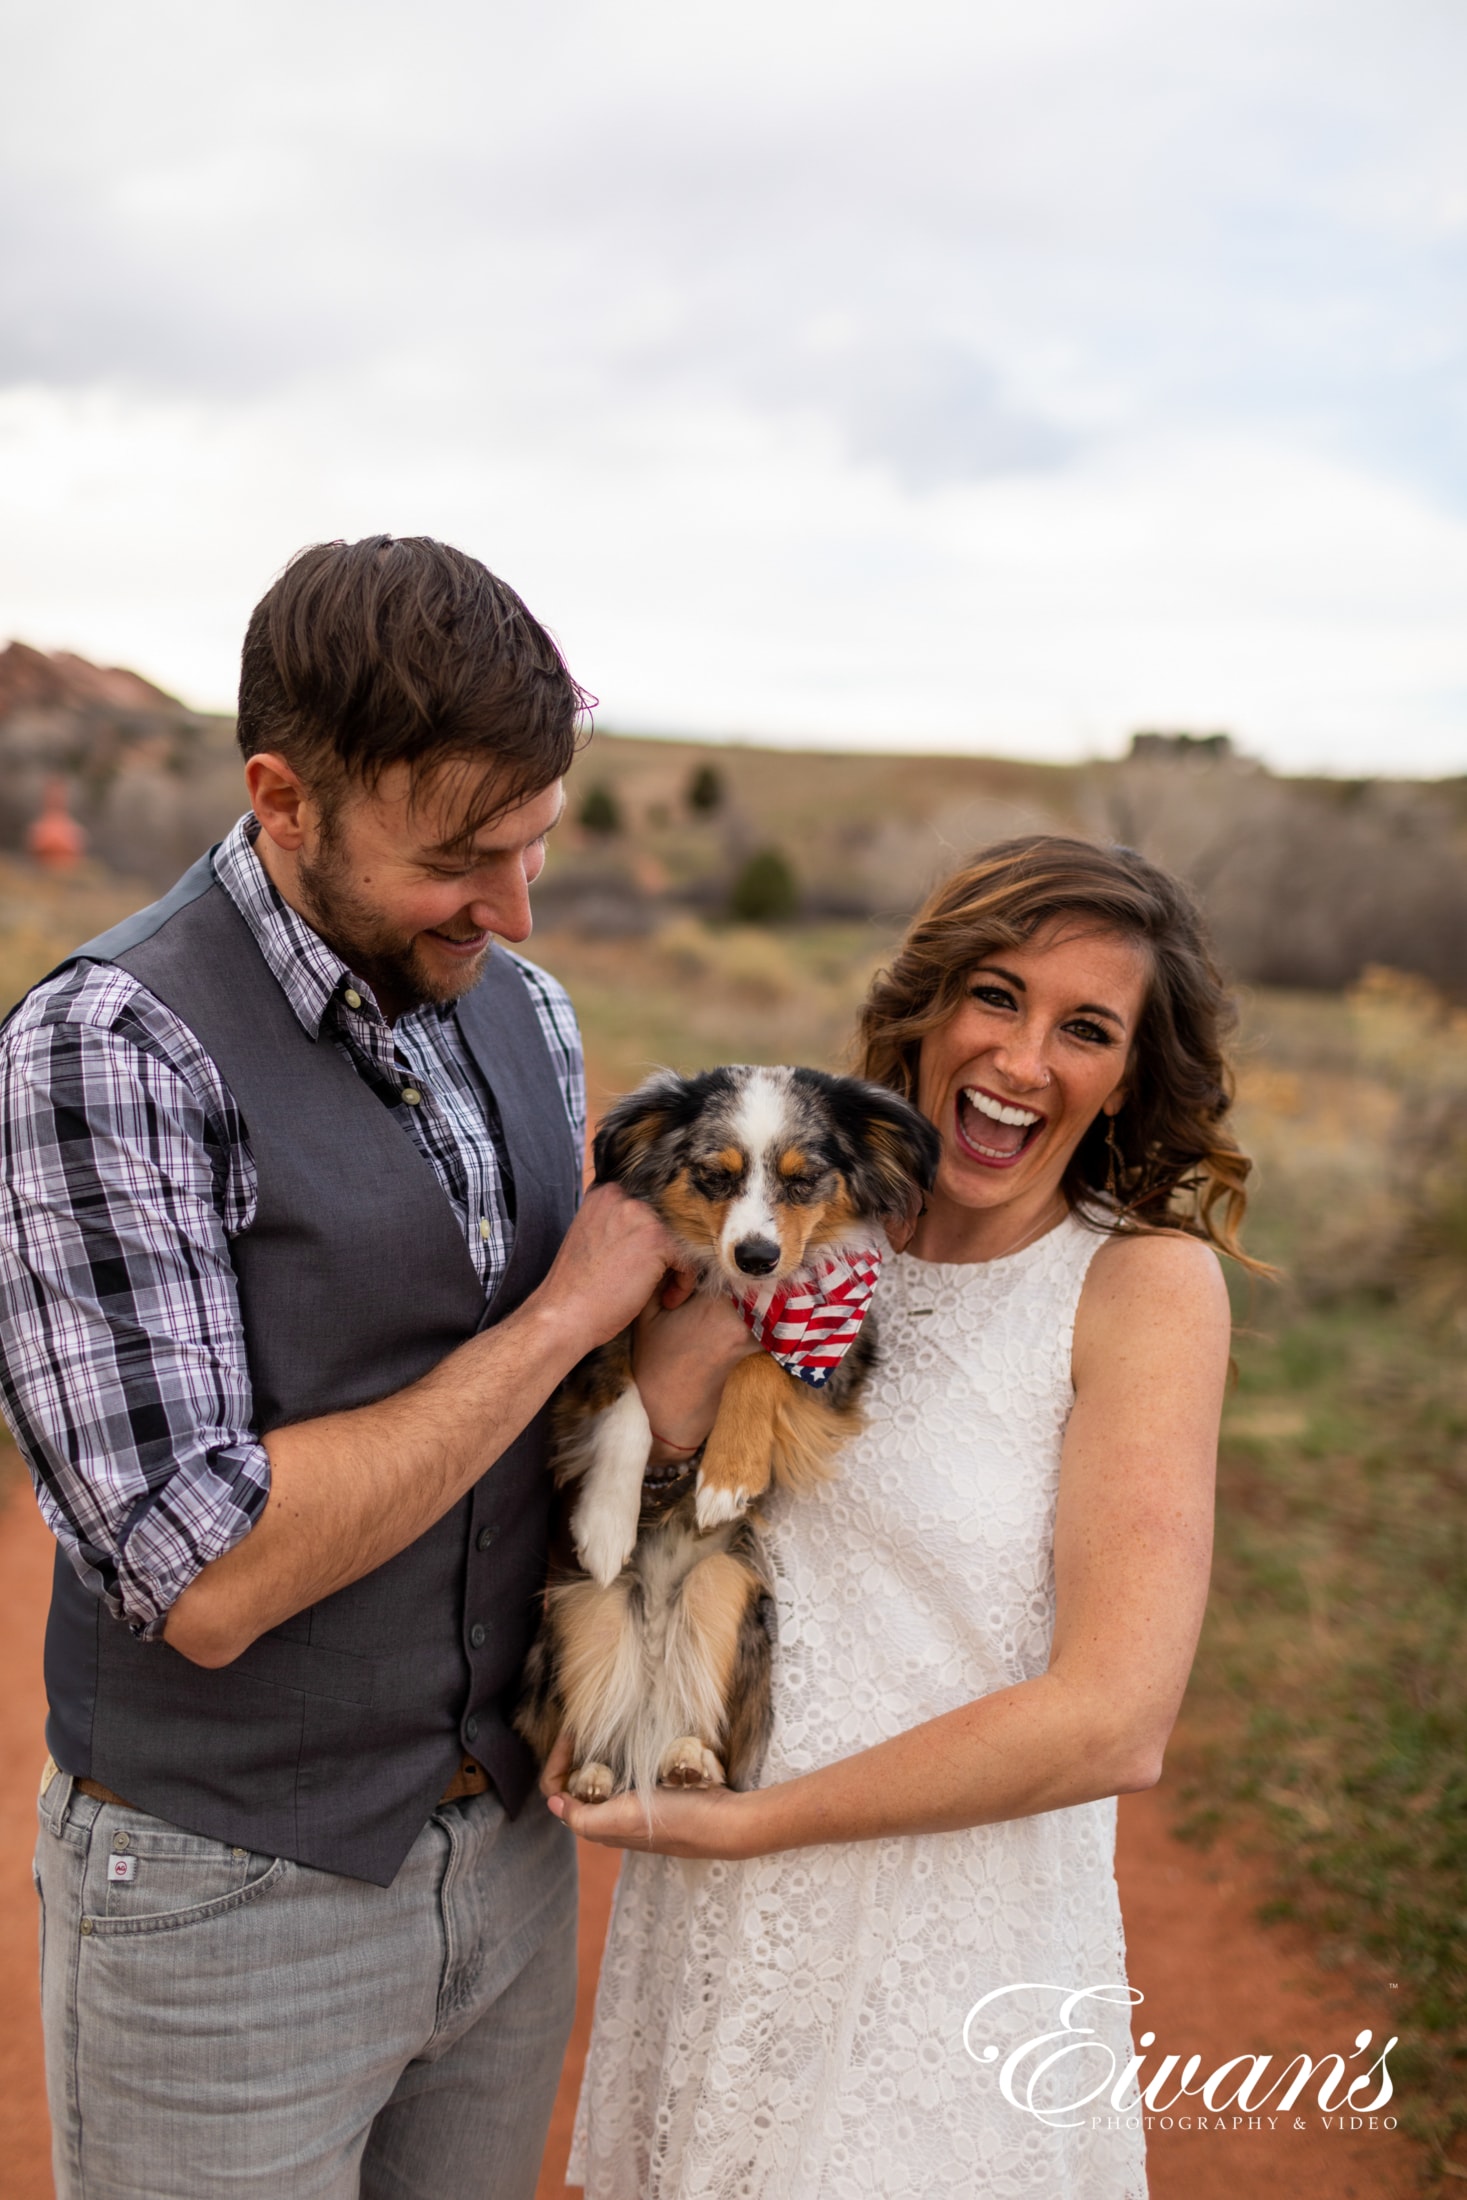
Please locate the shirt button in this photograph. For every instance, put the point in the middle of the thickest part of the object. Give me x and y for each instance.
(483, 1226)
(352, 998)
(476, 1636)
(471, 1729)
(484, 1538)
(412, 1095)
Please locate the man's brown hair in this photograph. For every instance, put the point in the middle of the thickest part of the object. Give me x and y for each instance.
(402, 650)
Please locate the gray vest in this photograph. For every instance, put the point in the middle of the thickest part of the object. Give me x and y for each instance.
(332, 1737)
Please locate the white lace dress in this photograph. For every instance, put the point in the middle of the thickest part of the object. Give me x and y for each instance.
(793, 2028)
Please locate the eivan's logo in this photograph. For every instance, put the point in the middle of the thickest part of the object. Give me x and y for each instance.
(1033, 2078)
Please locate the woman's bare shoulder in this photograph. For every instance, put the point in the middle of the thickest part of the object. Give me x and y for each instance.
(1154, 1276)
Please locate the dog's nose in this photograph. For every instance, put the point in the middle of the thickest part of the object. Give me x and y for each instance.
(757, 1256)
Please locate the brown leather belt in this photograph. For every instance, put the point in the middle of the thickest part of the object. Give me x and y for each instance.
(470, 1779)
(103, 1795)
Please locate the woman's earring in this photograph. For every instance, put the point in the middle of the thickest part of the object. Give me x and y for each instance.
(1112, 1161)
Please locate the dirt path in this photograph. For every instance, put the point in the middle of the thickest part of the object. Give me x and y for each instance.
(25, 1589)
(1216, 1983)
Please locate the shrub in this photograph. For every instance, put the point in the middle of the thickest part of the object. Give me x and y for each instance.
(600, 812)
(705, 790)
(765, 891)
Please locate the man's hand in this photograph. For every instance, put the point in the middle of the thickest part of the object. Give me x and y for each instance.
(613, 1259)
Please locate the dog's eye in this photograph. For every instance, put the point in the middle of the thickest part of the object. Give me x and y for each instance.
(800, 1190)
(714, 1183)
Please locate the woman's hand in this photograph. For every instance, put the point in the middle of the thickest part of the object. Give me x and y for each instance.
(696, 1822)
(687, 1345)
(705, 1822)
(556, 1769)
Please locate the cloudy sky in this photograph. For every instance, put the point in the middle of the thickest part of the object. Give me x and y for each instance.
(952, 374)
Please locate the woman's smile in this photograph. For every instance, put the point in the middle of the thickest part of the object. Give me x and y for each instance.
(991, 1131)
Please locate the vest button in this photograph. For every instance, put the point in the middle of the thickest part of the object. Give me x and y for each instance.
(476, 1636)
(484, 1538)
(471, 1728)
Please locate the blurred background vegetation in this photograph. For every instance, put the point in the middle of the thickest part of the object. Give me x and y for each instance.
(707, 905)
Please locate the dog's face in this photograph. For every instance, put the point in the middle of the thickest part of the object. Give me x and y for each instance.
(757, 1170)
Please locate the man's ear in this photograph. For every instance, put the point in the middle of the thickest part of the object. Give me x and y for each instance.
(280, 800)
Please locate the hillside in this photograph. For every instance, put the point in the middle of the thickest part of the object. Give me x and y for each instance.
(1307, 882)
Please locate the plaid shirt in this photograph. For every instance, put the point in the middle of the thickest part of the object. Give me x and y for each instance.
(125, 1171)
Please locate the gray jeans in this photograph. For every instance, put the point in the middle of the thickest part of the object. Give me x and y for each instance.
(223, 2023)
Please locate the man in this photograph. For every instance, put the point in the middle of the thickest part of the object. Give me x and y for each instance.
(290, 1263)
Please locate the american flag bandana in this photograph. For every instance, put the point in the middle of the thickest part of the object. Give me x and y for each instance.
(810, 1324)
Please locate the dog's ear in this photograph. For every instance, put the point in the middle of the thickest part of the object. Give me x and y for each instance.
(891, 1151)
(632, 1128)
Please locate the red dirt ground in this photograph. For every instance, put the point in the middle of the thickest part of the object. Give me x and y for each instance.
(1216, 1982)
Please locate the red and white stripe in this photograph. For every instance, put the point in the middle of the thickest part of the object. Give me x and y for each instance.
(810, 1324)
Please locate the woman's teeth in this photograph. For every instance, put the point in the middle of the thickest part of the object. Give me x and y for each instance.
(1005, 1130)
(996, 1109)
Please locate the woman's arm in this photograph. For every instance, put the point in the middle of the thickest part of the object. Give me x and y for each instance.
(1133, 1544)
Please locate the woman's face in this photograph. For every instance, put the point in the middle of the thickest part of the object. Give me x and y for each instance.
(1039, 1047)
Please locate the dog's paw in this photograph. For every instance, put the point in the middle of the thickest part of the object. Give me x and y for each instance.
(603, 1535)
(716, 1506)
(591, 1783)
(690, 1764)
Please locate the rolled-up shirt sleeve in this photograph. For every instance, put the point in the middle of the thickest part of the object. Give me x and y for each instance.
(123, 1374)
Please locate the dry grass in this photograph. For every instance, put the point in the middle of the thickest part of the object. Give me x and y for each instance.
(693, 993)
(1327, 1716)
(43, 918)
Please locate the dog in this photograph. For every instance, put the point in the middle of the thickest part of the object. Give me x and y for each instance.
(779, 1186)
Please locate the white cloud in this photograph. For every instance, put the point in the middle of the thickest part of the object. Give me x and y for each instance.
(956, 374)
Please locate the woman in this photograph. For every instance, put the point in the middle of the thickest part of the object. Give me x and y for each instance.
(985, 1623)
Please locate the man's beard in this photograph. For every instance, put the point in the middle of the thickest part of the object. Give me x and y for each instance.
(390, 961)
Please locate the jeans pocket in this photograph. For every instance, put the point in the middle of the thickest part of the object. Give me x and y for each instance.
(143, 1875)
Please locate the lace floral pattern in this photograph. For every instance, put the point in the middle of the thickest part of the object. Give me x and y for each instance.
(792, 2028)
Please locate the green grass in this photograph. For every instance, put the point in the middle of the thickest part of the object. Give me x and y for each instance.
(1328, 1708)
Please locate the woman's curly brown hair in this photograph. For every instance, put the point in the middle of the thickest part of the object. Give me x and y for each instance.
(1177, 1166)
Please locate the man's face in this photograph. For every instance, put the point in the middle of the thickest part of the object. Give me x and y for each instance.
(408, 903)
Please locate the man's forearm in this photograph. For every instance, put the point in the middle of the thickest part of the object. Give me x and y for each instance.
(350, 1490)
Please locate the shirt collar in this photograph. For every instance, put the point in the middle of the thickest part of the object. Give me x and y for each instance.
(307, 971)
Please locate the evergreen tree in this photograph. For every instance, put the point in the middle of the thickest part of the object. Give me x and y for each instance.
(765, 891)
